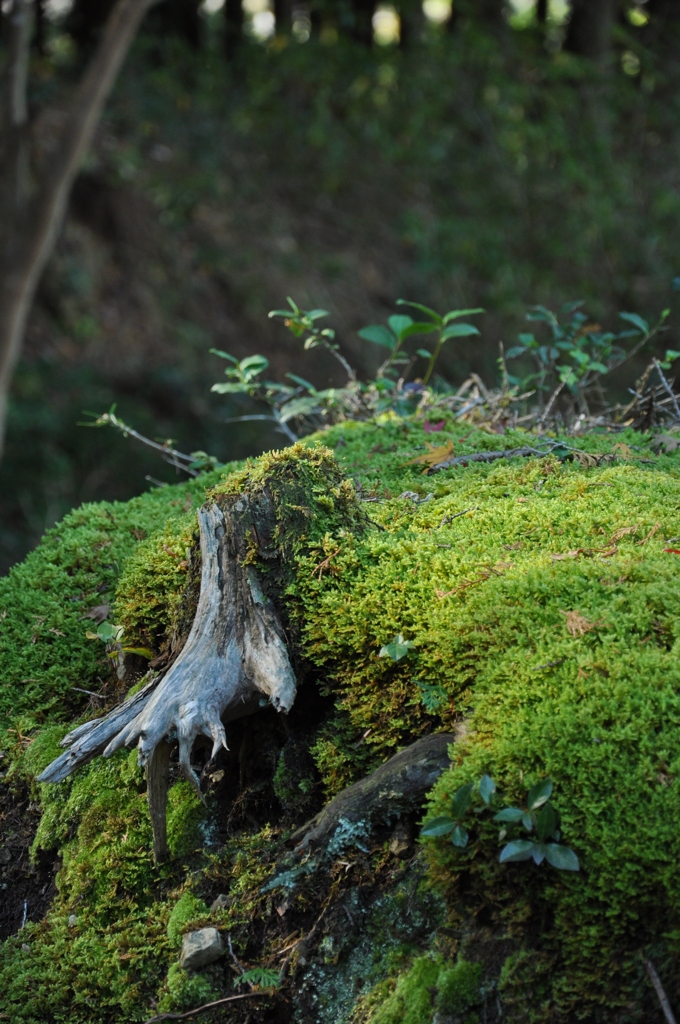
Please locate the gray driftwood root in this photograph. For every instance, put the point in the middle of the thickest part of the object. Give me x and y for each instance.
(396, 788)
(234, 657)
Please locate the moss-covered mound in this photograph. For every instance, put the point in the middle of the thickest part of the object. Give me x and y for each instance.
(536, 601)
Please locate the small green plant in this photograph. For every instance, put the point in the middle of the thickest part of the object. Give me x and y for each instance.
(260, 977)
(112, 637)
(397, 650)
(538, 816)
(298, 401)
(401, 327)
(578, 352)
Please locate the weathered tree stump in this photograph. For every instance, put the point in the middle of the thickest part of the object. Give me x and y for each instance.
(235, 658)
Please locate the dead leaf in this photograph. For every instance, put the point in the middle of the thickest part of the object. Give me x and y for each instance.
(608, 552)
(523, 501)
(577, 624)
(657, 526)
(99, 613)
(624, 531)
(624, 451)
(434, 456)
(576, 553)
(668, 441)
(588, 461)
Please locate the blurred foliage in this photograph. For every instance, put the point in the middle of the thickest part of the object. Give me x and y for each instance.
(464, 169)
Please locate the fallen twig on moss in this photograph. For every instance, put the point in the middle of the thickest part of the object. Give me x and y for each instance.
(188, 1014)
(659, 989)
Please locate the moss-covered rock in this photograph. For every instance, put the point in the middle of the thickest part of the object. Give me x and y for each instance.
(540, 598)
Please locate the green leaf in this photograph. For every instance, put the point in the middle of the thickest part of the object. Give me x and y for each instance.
(302, 382)
(254, 363)
(513, 814)
(561, 857)
(107, 632)
(462, 800)
(317, 314)
(423, 353)
(458, 331)
(438, 320)
(224, 355)
(487, 788)
(379, 335)
(299, 407)
(636, 320)
(143, 652)
(438, 826)
(538, 853)
(520, 849)
(230, 389)
(539, 794)
(417, 328)
(527, 822)
(399, 323)
(454, 314)
(397, 650)
(459, 836)
(546, 821)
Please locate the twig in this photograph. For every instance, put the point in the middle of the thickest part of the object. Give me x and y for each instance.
(176, 458)
(449, 519)
(303, 940)
(462, 460)
(668, 388)
(205, 1008)
(90, 693)
(555, 395)
(658, 988)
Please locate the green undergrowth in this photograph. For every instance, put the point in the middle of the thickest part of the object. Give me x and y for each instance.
(540, 598)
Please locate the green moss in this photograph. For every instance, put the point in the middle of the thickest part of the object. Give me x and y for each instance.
(184, 913)
(185, 990)
(429, 985)
(185, 816)
(485, 578)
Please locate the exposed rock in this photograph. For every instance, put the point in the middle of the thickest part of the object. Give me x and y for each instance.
(220, 902)
(200, 948)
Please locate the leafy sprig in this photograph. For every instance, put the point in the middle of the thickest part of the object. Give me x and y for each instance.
(538, 817)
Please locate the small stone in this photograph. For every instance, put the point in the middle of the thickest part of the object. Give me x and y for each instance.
(221, 902)
(25, 947)
(200, 948)
(72, 921)
(5, 856)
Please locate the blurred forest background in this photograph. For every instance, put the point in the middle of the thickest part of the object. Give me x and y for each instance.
(346, 154)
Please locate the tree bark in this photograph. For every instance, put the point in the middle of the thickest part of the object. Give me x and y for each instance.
(396, 788)
(589, 32)
(30, 227)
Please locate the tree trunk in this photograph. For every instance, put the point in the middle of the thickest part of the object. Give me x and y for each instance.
(589, 32)
(30, 228)
(283, 17)
(233, 27)
(488, 13)
(541, 11)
